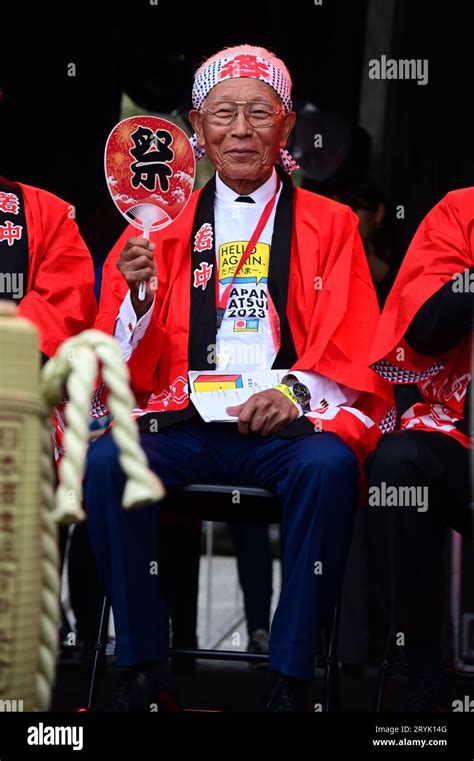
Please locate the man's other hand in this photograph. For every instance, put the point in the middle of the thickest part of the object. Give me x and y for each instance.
(265, 413)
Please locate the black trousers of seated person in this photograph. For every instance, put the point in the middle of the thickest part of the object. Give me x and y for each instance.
(179, 574)
(179, 552)
(180, 548)
(252, 550)
(406, 543)
(86, 592)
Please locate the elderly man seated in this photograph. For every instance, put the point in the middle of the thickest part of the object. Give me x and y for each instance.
(255, 274)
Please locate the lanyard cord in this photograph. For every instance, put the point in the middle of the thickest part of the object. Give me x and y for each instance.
(223, 300)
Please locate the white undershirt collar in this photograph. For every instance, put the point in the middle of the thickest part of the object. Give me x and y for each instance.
(261, 195)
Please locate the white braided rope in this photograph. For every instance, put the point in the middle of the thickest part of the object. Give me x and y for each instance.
(50, 590)
(76, 364)
(82, 372)
(143, 486)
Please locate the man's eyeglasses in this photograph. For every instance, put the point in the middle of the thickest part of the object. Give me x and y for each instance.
(258, 114)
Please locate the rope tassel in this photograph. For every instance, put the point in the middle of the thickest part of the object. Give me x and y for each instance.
(76, 364)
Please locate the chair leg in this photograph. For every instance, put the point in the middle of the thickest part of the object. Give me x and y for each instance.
(100, 646)
(388, 655)
(332, 686)
(384, 672)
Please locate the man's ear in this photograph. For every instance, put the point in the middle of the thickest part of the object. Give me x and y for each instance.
(195, 117)
(288, 125)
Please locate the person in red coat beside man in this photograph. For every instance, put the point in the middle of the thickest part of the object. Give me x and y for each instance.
(419, 476)
(46, 268)
(47, 271)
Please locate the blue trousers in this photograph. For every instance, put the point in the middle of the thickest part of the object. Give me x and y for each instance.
(316, 478)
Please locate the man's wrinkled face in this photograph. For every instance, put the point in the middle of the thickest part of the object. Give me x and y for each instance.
(240, 151)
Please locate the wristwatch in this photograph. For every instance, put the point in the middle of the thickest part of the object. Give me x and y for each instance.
(298, 389)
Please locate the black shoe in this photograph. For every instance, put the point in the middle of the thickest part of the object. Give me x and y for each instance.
(258, 644)
(427, 695)
(147, 689)
(289, 695)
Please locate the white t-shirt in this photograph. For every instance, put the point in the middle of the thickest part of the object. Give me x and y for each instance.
(245, 340)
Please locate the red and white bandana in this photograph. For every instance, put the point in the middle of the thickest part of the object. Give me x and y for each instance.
(243, 65)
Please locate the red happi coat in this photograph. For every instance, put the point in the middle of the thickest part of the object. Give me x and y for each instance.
(60, 298)
(443, 246)
(332, 320)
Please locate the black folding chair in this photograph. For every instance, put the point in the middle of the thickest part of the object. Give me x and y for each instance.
(255, 505)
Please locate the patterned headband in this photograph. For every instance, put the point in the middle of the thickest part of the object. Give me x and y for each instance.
(242, 65)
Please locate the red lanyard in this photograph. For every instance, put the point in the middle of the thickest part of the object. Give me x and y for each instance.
(222, 302)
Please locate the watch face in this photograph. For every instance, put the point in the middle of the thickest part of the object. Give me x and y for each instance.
(300, 391)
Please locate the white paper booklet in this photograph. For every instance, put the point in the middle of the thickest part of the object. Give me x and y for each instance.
(213, 391)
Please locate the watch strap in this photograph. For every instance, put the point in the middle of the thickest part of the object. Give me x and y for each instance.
(287, 392)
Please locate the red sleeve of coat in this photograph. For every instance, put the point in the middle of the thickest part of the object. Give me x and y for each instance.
(142, 363)
(60, 297)
(114, 287)
(442, 247)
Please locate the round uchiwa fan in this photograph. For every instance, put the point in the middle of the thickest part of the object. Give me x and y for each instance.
(149, 162)
(149, 168)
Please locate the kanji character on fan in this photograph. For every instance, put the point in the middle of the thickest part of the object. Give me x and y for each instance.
(151, 152)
